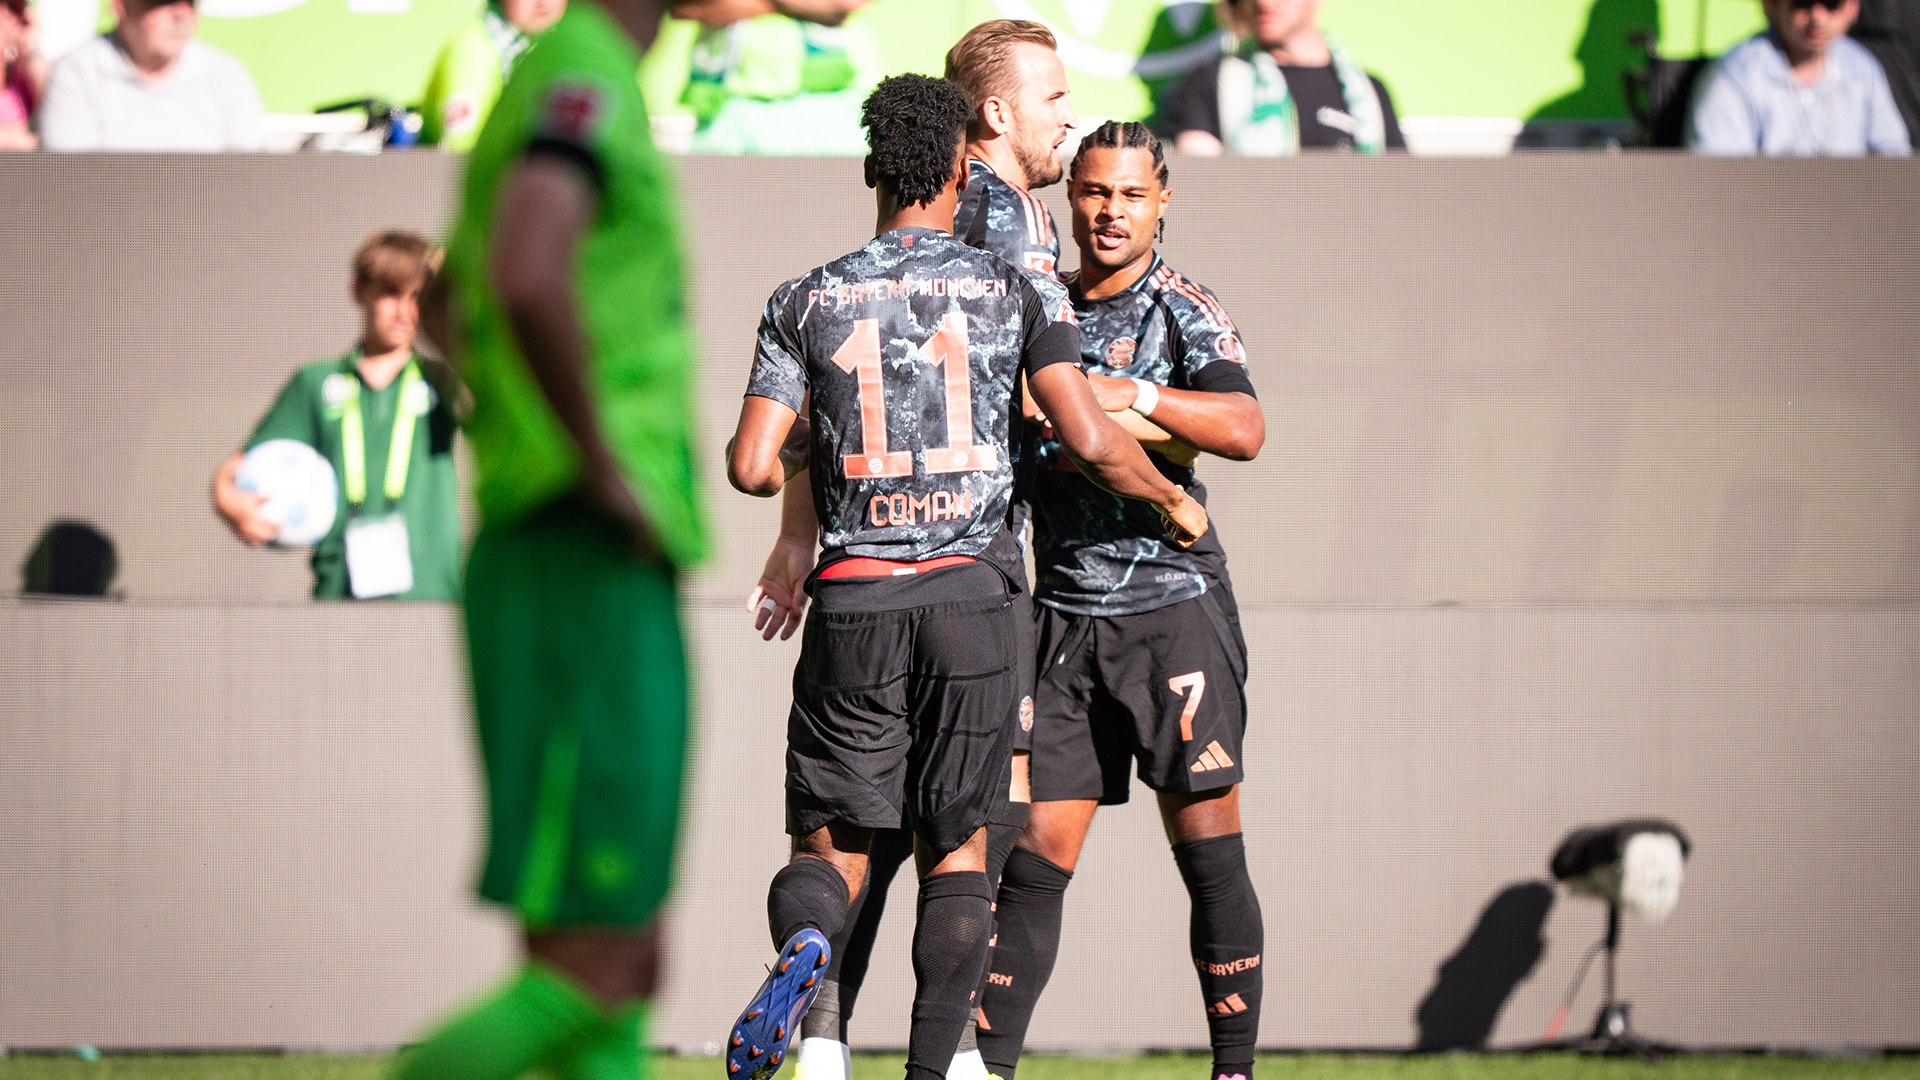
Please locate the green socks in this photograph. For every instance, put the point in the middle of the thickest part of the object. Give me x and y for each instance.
(539, 1018)
(613, 1049)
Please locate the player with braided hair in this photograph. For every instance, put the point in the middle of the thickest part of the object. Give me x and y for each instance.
(1141, 655)
(904, 356)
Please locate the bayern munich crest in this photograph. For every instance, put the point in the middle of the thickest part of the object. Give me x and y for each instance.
(1120, 352)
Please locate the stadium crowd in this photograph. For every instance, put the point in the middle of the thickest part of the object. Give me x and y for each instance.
(788, 76)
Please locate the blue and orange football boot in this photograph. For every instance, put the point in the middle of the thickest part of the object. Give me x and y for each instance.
(759, 1041)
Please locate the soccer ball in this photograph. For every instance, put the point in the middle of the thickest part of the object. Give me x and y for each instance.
(302, 493)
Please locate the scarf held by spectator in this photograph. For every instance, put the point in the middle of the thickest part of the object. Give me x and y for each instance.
(1258, 117)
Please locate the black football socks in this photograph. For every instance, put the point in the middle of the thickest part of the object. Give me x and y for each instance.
(949, 949)
(1226, 937)
(853, 945)
(1033, 890)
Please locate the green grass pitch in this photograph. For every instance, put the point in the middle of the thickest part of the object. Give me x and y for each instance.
(1151, 1067)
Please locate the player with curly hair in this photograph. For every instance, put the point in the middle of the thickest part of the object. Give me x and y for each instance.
(903, 355)
(1017, 89)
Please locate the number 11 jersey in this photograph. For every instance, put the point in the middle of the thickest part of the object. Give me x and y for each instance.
(909, 347)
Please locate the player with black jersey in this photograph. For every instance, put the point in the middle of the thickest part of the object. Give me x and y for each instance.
(904, 356)
(1141, 654)
(1021, 114)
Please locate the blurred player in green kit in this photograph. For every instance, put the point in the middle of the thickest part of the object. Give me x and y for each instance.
(563, 309)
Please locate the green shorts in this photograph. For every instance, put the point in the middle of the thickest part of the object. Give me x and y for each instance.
(580, 692)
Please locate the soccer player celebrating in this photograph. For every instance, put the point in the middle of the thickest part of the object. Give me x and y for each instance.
(1021, 114)
(1141, 653)
(566, 317)
(904, 355)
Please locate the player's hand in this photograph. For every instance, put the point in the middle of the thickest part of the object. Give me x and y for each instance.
(1186, 522)
(1113, 394)
(606, 490)
(241, 509)
(780, 599)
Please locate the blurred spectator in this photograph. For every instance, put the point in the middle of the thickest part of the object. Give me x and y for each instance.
(1800, 87)
(779, 76)
(401, 470)
(23, 75)
(1184, 35)
(1286, 86)
(71, 558)
(1890, 29)
(474, 65)
(148, 85)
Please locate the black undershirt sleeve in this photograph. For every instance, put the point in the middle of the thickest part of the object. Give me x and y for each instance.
(1222, 377)
(1058, 343)
(574, 153)
(1045, 340)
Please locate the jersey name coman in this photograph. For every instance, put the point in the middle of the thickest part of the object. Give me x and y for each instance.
(1096, 553)
(909, 346)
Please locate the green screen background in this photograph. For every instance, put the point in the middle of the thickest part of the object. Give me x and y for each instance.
(1541, 59)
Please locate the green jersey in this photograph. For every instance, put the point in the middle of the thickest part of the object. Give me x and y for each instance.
(575, 96)
(314, 408)
(467, 78)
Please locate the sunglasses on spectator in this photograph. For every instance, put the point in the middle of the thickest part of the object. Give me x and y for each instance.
(1830, 5)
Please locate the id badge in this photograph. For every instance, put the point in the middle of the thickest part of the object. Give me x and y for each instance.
(379, 560)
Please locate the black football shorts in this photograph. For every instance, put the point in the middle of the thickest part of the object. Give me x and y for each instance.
(904, 688)
(1163, 688)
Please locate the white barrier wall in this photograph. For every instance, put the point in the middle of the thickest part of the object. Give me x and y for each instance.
(1589, 491)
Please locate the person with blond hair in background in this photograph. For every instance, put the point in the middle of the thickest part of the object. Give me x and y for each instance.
(382, 416)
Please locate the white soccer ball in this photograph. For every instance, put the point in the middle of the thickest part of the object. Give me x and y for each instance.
(302, 495)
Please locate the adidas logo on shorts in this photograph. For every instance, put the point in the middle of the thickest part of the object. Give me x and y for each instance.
(1213, 757)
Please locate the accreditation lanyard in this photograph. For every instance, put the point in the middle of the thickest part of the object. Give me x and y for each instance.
(353, 437)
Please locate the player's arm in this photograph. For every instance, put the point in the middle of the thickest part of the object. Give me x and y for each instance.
(1152, 436)
(241, 509)
(779, 599)
(1106, 454)
(1229, 424)
(547, 204)
(755, 465)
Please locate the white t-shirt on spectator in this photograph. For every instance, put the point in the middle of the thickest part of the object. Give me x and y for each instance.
(97, 101)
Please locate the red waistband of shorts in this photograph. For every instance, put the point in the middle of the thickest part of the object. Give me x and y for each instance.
(889, 567)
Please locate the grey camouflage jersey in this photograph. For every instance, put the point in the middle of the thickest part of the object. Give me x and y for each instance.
(1011, 222)
(909, 346)
(1096, 553)
(996, 216)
